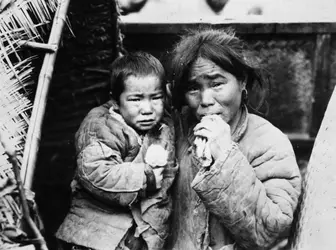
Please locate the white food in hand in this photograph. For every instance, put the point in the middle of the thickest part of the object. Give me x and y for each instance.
(202, 151)
(156, 155)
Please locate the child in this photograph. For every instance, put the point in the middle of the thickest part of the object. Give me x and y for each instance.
(125, 164)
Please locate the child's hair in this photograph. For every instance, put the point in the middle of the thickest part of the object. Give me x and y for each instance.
(138, 64)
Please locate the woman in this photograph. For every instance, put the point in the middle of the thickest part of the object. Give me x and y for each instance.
(243, 196)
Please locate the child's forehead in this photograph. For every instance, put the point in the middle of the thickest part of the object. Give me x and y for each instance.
(148, 83)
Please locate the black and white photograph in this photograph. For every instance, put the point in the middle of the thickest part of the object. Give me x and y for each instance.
(167, 124)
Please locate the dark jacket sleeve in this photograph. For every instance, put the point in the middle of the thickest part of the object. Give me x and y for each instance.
(254, 199)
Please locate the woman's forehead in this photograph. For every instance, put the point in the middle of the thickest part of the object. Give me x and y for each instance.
(204, 68)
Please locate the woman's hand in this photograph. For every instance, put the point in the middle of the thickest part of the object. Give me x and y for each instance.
(217, 133)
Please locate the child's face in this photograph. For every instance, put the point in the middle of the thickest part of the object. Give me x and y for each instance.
(142, 101)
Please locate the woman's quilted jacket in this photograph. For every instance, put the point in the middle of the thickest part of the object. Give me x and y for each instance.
(246, 199)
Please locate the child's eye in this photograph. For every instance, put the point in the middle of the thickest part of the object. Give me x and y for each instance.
(158, 97)
(134, 99)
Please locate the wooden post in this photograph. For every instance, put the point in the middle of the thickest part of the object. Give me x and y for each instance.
(317, 215)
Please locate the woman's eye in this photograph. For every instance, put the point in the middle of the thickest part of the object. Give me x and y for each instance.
(192, 89)
(217, 84)
(193, 92)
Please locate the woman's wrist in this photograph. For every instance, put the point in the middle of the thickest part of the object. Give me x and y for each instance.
(221, 148)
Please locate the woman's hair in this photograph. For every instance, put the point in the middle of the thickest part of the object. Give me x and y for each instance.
(221, 47)
(137, 64)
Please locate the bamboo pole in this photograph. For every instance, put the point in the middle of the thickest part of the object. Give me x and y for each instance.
(316, 224)
(38, 46)
(40, 101)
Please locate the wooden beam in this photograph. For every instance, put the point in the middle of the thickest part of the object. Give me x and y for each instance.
(241, 28)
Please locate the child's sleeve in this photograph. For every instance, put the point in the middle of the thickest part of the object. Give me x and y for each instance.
(104, 170)
(102, 173)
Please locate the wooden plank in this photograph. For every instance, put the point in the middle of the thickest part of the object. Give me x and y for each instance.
(305, 28)
(243, 28)
(176, 28)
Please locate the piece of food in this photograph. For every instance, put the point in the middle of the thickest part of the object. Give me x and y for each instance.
(156, 155)
(202, 151)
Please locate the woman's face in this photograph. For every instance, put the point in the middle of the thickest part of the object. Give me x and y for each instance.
(213, 90)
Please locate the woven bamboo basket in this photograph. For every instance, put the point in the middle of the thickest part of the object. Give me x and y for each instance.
(23, 25)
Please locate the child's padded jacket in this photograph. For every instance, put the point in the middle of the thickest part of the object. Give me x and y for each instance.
(109, 179)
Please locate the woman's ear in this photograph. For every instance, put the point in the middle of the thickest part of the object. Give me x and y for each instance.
(243, 82)
(243, 85)
(169, 90)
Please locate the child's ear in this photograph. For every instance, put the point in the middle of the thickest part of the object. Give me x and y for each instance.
(169, 90)
(111, 98)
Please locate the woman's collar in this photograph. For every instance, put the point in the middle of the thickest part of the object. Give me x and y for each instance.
(241, 126)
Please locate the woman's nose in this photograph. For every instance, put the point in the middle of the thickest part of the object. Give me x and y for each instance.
(146, 107)
(207, 98)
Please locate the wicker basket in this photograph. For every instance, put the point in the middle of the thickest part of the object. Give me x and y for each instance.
(10, 213)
